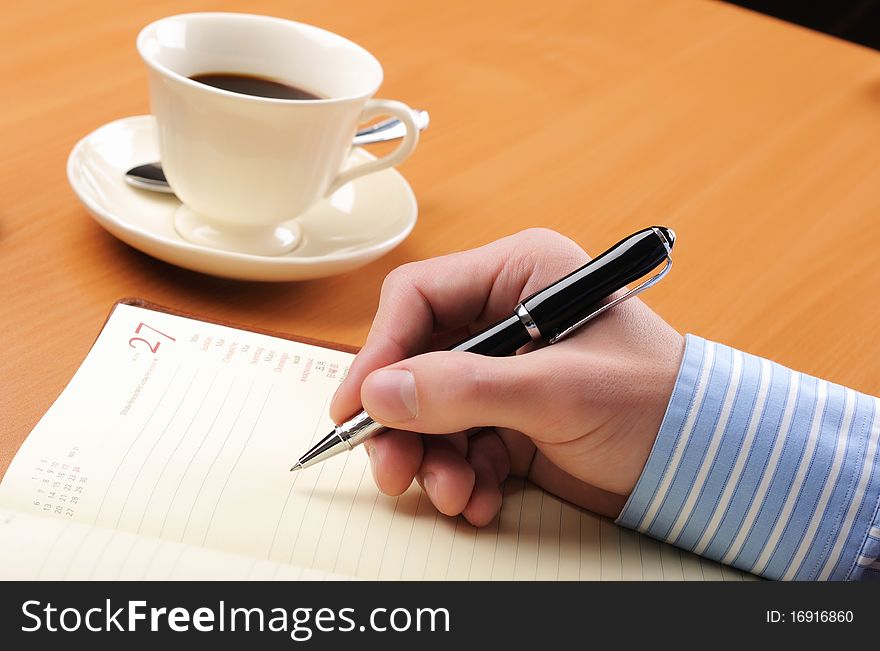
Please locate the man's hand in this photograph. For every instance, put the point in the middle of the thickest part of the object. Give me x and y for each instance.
(577, 418)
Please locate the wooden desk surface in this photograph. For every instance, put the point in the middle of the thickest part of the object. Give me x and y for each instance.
(757, 141)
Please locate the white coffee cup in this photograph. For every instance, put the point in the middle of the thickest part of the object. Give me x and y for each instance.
(244, 166)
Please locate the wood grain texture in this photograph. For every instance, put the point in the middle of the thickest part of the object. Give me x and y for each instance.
(757, 141)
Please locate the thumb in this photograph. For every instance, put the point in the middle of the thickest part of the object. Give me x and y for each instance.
(443, 392)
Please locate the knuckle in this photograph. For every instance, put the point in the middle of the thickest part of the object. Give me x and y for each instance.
(473, 386)
(540, 234)
(397, 278)
(452, 390)
(546, 238)
(540, 245)
(540, 240)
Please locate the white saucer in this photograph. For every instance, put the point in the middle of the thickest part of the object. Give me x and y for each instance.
(360, 222)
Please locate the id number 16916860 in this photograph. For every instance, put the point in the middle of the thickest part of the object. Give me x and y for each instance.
(810, 617)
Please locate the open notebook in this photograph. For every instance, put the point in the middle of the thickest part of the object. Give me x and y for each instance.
(168, 456)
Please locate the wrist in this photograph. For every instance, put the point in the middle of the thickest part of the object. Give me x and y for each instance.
(655, 380)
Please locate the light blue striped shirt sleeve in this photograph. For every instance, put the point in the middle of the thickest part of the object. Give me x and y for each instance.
(764, 468)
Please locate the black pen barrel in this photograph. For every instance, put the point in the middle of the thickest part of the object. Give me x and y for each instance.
(565, 302)
(498, 340)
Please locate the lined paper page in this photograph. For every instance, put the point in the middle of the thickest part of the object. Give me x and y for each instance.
(50, 548)
(182, 431)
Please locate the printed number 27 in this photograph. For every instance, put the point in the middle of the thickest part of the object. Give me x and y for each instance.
(153, 348)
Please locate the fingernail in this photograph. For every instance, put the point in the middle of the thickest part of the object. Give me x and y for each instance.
(390, 395)
(429, 481)
(373, 455)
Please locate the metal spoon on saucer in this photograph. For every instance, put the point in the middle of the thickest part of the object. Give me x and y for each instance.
(151, 177)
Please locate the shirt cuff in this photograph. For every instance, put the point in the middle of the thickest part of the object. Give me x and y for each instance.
(760, 467)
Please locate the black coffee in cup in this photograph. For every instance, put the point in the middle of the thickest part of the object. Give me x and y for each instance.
(253, 85)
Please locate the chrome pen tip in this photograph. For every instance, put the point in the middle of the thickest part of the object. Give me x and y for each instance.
(298, 466)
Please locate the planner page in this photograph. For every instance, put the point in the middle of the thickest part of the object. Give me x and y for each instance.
(185, 431)
(35, 547)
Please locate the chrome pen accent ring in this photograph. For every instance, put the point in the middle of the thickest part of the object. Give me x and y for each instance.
(528, 322)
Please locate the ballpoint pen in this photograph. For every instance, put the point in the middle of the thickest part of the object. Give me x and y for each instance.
(546, 316)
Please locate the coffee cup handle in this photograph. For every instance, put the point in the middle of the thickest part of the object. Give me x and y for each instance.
(375, 108)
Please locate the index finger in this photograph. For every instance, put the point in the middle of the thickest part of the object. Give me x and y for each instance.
(470, 289)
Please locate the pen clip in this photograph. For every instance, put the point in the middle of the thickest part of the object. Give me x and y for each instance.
(607, 306)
